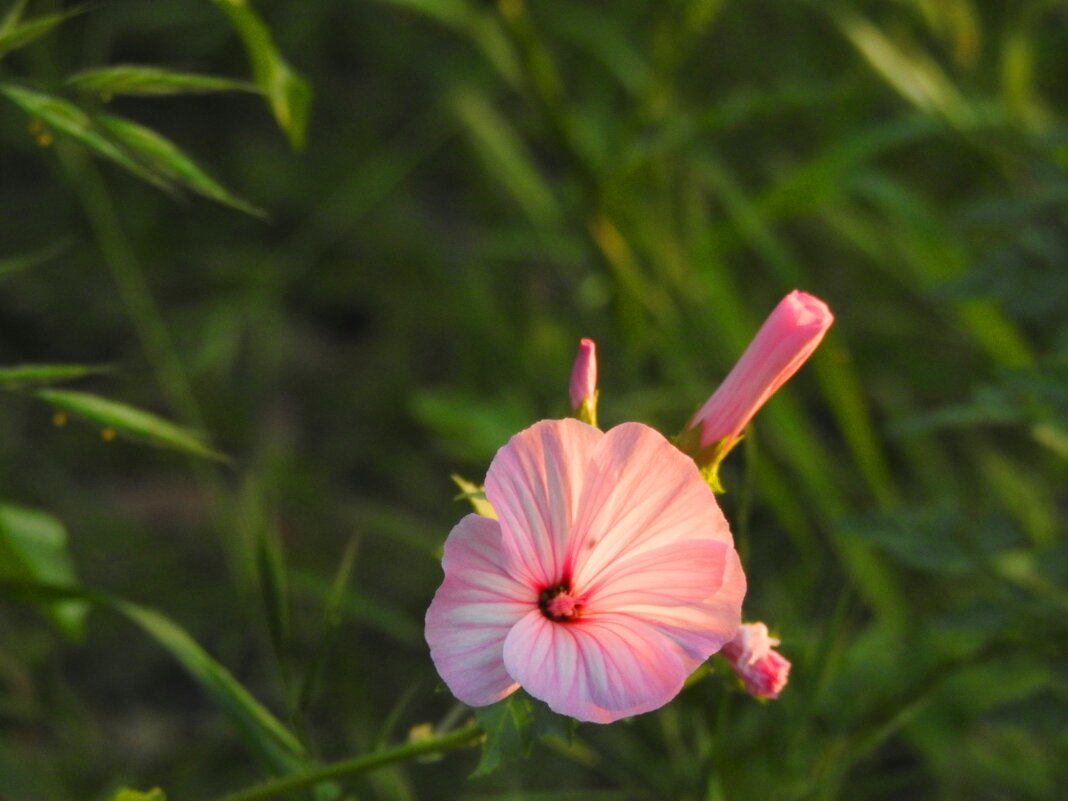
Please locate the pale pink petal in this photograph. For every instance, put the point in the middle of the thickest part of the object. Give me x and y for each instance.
(598, 669)
(641, 493)
(533, 484)
(678, 573)
(700, 629)
(472, 612)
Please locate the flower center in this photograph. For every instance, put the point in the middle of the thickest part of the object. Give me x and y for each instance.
(557, 603)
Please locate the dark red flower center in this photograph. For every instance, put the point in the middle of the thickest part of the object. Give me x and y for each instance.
(558, 604)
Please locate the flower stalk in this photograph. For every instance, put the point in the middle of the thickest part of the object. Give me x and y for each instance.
(357, 765)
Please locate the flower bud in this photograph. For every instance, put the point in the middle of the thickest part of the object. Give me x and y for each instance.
(583, 388)
(785, 341)
(751, 655)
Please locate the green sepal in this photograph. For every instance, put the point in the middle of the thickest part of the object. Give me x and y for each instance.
(475, 494)
(587, 412)
(708, 458)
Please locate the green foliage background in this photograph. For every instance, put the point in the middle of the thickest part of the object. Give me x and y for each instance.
(352, 310)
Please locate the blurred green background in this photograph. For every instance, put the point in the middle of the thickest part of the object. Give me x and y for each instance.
(481, 184)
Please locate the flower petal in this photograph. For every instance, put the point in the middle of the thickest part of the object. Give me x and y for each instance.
(673, 575)
(598, 669)
(472, 612)
(701, 628)
(534, 484)
(641, 493)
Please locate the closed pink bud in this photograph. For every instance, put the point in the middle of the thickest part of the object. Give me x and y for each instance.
(785, 341)
(583, 388)
(752, 656)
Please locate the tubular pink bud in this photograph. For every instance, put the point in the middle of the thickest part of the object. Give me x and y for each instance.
(583, 388)
(785, 341)
(752, 656)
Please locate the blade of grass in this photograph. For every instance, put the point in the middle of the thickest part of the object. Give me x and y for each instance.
(165, 158)
(15, 34)
(507, 157)
(27, 261)
(137, 79)
(66, 118)
(265, 735)
(332, 616)
(124, 419)
(18, 376)
(288, 94)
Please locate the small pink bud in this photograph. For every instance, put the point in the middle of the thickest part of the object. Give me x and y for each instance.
(752, 656)
(583, 389)
(785, 341)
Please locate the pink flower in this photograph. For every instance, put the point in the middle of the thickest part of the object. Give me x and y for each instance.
(763, 670)
(583, 388)
(609, 576)
(785, 341)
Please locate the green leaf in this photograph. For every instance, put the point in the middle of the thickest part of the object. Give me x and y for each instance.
(508, 726)
(136, 79)
(165, 158)
(288, 95)
(922, 538)
(128, 420)
(66, 118)
(28, 374)
(126, 794)
(15, 34)
(916, 77)
(27, 261)
(265, 735)
(512, 726)
(33, 545)
(506, 157)
(12, 17)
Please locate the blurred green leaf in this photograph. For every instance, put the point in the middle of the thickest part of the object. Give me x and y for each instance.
(126, 794)
(64, 117)
(271, 570)
(911, 73)
(507, 157)
(13, 16)
(481, 26)
(27, 261)
(125, 419)
(263, 732)
(136, 79)
(1038, 396)
(473, 428)
(165, 158)
(332, 616)
(287, 93)
(33, 545)
(512, 726)
(23, 375)
(924, 538)
(15, 34)
(365, 610)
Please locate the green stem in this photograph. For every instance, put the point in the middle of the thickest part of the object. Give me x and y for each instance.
(358, 765)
